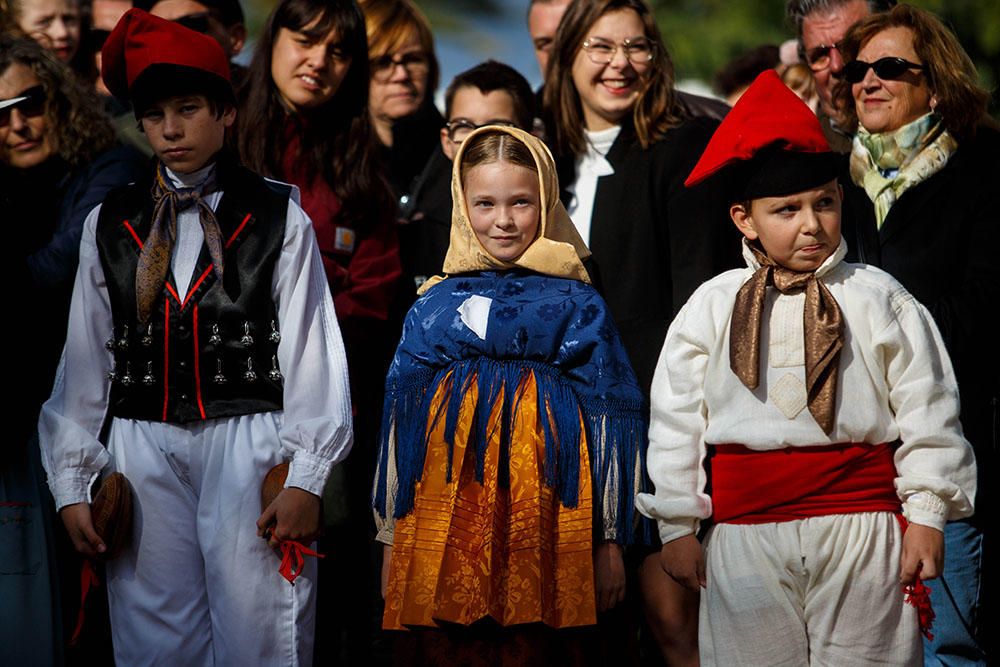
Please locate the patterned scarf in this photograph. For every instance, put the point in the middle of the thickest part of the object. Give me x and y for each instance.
(154, 259)
(914, 152)
(823, 333)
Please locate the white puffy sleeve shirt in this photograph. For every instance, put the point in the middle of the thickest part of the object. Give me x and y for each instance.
(895, 382)
(316, 423)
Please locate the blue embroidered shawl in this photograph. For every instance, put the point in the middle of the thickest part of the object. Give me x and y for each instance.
(557, 328)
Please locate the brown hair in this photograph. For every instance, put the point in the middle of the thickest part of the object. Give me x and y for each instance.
(390, 23)
(655, 112)
(495, 146)
(336, 140)
(73, 114)
(951, 76)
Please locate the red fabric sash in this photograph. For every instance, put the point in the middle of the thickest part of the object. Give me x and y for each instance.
(750, 487)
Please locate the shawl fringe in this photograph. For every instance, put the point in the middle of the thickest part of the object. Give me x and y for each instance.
(616, 431)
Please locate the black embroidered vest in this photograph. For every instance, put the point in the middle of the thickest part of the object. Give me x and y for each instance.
(211, 352)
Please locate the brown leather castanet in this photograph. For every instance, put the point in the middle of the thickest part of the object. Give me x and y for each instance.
(274, 482)
(111, 513)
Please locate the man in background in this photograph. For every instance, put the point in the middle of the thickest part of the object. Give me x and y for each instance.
(820, 26)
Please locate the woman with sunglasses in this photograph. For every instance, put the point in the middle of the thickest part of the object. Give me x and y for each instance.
(57, 162)
(922, 201)
(303, 119)
(625, 146)
(404, 76)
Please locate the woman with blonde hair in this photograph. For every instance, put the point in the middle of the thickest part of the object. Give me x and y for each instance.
(404, 76)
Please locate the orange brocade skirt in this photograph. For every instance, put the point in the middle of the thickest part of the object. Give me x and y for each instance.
(472, 550)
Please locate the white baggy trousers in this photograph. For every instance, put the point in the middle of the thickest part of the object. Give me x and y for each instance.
(198, 587)
(817, 591)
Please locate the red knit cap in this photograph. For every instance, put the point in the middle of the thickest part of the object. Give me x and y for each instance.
(774, 138)
(141, 41)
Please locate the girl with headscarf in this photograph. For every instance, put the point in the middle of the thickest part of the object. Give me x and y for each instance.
(514, 428)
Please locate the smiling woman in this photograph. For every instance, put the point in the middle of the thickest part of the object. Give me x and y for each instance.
(624, 146)
(921, 201)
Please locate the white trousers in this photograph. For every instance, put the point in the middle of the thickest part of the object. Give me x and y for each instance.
(818, 591)
(198, 587)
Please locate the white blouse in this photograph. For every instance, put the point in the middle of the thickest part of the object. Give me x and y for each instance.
(589, 167)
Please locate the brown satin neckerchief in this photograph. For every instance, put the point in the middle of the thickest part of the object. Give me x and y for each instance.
(823, 333)
(154, 259)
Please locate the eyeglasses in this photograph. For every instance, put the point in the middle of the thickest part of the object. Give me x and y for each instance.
(30, 103)
(818, 57)
(414, 63)
(460, 129)
(602, 52)
(887, 69)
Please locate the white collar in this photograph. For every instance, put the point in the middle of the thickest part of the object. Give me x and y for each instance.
(203, 179)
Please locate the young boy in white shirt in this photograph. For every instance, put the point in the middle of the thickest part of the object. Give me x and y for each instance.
(823, 396)
(202, 329)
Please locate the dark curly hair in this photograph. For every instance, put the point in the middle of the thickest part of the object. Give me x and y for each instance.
(73, 113)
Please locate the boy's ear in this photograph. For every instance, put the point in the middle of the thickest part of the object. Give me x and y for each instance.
(743, 221)
(446, 146)
(229, 115)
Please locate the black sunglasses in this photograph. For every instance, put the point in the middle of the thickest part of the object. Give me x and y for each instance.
(887, 69)
(30, 103)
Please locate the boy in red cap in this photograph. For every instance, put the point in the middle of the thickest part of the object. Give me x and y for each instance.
(823, 395)
(202, 326)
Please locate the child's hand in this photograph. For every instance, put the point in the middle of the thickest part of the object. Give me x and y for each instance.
(386, 559)
(80, 526)
(923, 552)
(684, 560)
(292, 515)
(609, 575)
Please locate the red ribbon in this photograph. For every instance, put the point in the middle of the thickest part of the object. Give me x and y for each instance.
(918, 595)
(88, 579)
(293, 559)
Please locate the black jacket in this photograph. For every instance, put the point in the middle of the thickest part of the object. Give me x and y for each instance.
(655, 241)
(938, 241)
(425, 224)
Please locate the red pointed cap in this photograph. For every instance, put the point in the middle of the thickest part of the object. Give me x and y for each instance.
(769, 119)
(141, 41)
